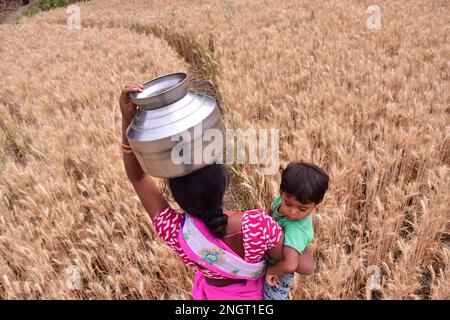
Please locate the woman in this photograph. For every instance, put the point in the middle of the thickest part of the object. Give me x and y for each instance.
(227, 247)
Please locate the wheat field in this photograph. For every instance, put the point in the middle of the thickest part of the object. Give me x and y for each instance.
(369, 106)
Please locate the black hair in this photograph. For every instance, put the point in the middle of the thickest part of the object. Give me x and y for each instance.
(200, 193)
(307, 182)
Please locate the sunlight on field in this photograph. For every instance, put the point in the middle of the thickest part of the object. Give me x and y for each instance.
(369, 106)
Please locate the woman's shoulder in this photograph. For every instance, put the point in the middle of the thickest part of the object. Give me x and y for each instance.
(168, 211)
(259, 231)
(256, 214)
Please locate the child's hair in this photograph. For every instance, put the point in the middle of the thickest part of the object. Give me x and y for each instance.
(307, 182)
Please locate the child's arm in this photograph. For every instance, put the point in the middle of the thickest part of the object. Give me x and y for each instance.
(277, 251)
(287, 265)
(305, 263)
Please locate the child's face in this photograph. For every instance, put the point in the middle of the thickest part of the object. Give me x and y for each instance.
(293, 209)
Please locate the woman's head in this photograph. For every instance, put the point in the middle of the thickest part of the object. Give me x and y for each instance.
(200, 193)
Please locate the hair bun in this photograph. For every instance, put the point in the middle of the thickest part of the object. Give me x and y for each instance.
(216, 221)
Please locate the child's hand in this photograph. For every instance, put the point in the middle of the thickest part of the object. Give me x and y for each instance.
(272, 280)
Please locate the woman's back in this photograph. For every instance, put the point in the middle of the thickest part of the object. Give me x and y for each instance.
(233, 237)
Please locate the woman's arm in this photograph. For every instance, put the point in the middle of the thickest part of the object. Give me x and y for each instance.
(148, 192)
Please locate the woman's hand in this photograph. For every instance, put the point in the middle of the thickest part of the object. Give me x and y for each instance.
(127, 106)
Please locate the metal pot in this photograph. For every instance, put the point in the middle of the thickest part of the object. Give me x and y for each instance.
(167, 111)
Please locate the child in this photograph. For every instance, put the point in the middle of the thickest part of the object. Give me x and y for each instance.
(302, 188)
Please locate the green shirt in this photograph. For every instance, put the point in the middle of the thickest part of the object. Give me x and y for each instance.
(297, 234)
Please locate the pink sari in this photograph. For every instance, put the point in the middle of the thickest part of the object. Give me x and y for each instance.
(212, 253)
(248, 290)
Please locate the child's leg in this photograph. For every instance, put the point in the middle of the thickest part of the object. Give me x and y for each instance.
(282, 292)
(305, 263)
